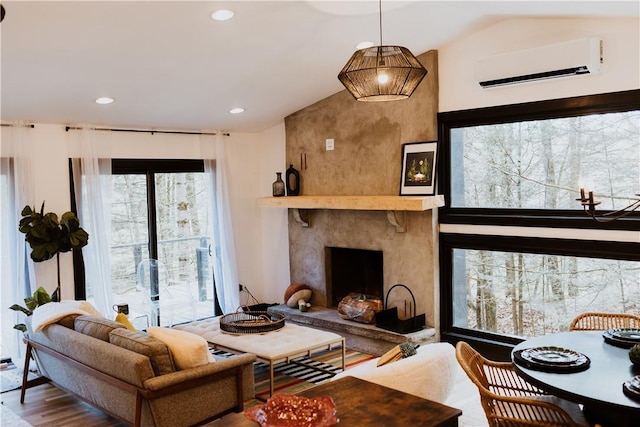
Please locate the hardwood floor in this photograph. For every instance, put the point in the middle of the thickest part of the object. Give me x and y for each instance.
(47, 405)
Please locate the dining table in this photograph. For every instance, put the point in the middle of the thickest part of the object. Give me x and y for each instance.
(596, 381)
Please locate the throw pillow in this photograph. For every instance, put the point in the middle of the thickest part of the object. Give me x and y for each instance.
(398, 352)
(157, 351)
(122, 318)
(295, 292)
(188, 350)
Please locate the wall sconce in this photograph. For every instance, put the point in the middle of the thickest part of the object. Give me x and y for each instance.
(589, 206)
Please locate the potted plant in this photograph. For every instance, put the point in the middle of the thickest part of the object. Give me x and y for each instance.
(48, 236)
(40, 297)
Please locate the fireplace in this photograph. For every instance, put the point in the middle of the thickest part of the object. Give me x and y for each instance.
(353, 270)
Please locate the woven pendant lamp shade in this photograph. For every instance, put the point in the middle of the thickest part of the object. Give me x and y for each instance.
(382, 73)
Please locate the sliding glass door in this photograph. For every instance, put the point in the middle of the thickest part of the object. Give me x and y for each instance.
(160, 244)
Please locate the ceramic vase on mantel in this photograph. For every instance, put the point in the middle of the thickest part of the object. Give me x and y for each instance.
(293, 181)
(278, 186)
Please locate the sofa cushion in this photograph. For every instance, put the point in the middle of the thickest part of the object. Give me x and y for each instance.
(188, 350)
(157, 351)
(68, 321)
(428, 374)
(97, 327)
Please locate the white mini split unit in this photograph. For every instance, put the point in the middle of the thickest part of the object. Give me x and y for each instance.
(572, 58)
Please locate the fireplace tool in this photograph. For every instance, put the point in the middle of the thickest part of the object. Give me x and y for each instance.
(388, 318)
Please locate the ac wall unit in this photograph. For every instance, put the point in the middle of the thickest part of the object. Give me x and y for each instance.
(572, 58)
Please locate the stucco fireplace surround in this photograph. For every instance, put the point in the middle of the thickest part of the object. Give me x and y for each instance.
(403, 238)
(349, 195)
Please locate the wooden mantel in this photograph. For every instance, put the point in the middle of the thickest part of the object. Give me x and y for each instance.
(391, 204)
(356, 203)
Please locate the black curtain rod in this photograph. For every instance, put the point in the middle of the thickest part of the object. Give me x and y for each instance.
(175, 132)
(10, 125)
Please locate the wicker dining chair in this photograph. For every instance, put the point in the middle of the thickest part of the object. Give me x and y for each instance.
(593, 321)
(509, 400)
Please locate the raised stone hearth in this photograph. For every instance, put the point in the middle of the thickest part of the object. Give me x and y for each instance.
(359, 336)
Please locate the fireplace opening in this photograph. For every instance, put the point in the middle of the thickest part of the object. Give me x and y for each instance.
(352, 270)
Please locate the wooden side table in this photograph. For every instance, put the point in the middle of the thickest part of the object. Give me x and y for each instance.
(362, 403)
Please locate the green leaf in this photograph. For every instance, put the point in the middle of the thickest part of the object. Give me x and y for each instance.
(55, 296)
(41, 296)
(31, 303)
(27, 211)
(16, 307)
(21, 327)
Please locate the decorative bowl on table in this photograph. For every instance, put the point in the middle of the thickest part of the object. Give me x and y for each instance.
(284, 410)
(251, 322)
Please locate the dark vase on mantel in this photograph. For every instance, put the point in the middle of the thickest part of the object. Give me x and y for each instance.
(293, 181)
(278, 186)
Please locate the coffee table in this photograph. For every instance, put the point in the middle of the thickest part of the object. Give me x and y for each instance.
(283, 345)
(362, 403)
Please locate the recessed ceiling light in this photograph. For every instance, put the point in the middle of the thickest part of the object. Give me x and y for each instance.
(222, 15)
(104, 100)
(364, 45)
(237, 110)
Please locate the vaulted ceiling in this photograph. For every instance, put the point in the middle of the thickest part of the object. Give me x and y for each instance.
(168, 65)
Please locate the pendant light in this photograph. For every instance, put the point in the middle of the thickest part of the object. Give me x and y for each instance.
(382, 73)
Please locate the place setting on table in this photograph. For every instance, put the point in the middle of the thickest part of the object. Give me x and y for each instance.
(628, 338)
(552, 359)
(600, 369)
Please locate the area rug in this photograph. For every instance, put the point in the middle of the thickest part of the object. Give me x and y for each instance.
(9, 419)
(292, 378)
(11, 378)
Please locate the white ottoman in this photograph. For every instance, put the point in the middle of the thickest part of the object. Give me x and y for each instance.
(282, 345)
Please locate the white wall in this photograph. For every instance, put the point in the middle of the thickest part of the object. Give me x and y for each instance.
(275, 231)
(459, 89)
(53, 147)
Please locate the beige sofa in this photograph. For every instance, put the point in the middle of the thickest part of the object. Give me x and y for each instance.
(132, 376)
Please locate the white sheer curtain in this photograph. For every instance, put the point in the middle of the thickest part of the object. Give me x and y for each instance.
(16, 267)
(92, 181)
(225, 269)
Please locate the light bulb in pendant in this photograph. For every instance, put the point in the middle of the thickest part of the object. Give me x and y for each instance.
(382, 78)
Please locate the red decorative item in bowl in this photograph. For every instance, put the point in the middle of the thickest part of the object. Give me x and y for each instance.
(284, 410)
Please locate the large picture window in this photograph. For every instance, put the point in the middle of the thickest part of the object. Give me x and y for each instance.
(522, 166)
(541, 164)
(526, 295)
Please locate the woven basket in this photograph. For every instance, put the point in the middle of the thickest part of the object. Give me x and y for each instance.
(251, 322)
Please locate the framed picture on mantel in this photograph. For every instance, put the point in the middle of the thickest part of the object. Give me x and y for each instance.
(418, 168)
